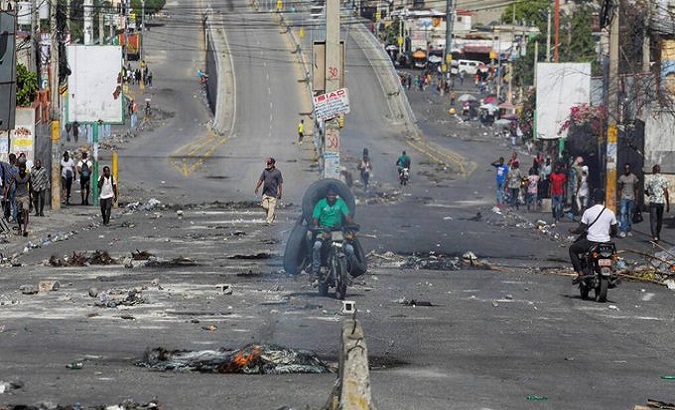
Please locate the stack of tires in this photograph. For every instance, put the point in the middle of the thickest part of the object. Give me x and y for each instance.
(298, 255)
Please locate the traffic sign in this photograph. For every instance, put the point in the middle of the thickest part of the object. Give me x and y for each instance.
(331, 104)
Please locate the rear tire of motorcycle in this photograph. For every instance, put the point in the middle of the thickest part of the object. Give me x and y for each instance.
(358, 265)
(296, 254)
(601, 290)
(317, 191)
(341, 283)
(584, 291)
(323, 288)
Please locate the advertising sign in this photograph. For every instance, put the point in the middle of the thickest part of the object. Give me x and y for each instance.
(22, 137)
(332, 104)
(92, 86)
(7, 69)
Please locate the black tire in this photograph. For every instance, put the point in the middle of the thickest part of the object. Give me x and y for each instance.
(296, 254)
(601, 290)
(358, 265)
(584, 291)
(341, 278)
(317, 191)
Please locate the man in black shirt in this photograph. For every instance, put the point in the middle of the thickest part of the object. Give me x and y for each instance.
(272, 188)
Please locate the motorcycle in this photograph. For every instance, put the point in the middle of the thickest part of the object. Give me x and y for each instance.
(334, 270)
(404, 176)
(599, 272)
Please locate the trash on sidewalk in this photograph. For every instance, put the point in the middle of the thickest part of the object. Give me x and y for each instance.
(45, 286)
(251, 359)
(126, 298)
(81, 259)
(6, 387)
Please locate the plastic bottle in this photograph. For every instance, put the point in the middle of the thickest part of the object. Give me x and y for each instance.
(534, 397)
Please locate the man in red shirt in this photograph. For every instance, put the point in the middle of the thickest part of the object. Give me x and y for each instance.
(558, 181)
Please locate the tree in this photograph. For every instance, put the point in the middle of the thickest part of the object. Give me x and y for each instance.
(151, 6)
(26, 86)
(532, 13)
(578, 45)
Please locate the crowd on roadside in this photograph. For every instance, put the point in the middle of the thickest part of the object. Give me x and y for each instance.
(567, 185)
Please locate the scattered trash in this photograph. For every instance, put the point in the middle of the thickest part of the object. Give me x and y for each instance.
(93, 292)
(28, 289)
(141, 255)
(45, 286)
(534, 397)
(131, 298)
(210, 328)
(125, 405)
(179, 261)
(75, 366)
(6, 387)
(127, 317)
(152, 204)
(470, 256)
(81, 259)
(259, 255)
(227, 289)
(251, 359)
(414, 303)
(668, 377)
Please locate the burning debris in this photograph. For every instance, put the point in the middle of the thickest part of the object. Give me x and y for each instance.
(125, 405)
(81, 259)
(251, 359)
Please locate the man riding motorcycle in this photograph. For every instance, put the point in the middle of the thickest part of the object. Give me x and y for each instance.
(599, 225)
(403, 162)
(328, 214)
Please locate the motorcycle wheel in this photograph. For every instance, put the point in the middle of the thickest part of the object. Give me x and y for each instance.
(340, 278)
(584, 291)
(358, 265)
(601, 290)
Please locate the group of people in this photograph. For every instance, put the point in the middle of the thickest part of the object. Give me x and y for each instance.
(107, 186)
(24, 187)
(135, 76)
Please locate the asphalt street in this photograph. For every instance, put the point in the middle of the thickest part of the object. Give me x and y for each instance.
(462, 337)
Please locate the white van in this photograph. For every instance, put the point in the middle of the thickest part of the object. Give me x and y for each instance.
(469, 67)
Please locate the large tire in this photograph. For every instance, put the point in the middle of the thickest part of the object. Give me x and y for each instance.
(358, 265)
(317, 191)
(341, 283)
(601, 290)
(296, 254)
(584, 290)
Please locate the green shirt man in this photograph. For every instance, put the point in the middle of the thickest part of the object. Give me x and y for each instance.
(330, 216)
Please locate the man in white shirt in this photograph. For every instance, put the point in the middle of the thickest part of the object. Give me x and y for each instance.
(600, 225)
(108, 194)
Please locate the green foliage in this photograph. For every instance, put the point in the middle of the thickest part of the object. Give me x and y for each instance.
(390, 34)
(26, 86)
(151, 6)
(531, 12)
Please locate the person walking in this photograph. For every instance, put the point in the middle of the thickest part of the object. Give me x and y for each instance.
(583, 191)
(21, 184)
(532, 186)
(301, 131)
(365, 167)
(628, 190)
(557, 182)
(40, 185)
(657, 189)
(272, 188)
(502, 172)
(67, 175)
(9, 188)
(107, 187)
(84, 167)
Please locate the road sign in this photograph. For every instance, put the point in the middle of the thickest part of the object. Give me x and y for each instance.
(332, 104)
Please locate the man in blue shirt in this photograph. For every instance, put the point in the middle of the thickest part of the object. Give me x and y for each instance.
(502, 172)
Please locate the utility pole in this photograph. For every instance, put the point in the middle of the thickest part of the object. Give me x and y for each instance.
(557, 31)
(142, 39)
(101, 25)
(646, 41)
(612, 109)
(34, 30)
(55, 112)
(126, 29)
(548, 36)
(333, 67)
(88, 22)
(449, 26)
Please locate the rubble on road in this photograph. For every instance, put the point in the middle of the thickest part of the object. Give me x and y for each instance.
(150, 205)
(113, 298)
(259, 255)
(429, 261)
(141, 255)
(6, 387)
(81, 259)
(251, 359)
(127, 404)
(155, 262)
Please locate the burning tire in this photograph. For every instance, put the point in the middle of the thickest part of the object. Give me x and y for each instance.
(317, 191)
(358, 264)
(296, 254)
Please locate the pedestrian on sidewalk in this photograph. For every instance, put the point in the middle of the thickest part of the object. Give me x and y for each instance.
(514, 179)
(628, 190)
(657, 189)
(21, 184)
(272, 188)
(301, 131)
(67, 175)
(532, 186)
(365, 167)
(40, 184)
(10, 189)
(502, 172)
(107, 186)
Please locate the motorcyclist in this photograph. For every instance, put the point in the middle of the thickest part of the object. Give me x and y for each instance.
(328, 214)
(599, 225)
(403, 162)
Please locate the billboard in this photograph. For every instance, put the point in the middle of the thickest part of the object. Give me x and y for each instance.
(560, 86)
(7, 69)
(22, 138)
(92, 84)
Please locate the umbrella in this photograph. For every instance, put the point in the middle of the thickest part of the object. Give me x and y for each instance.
(466, 97)
(490, 99)
(503, 123)
(511, 117)
(491, 108)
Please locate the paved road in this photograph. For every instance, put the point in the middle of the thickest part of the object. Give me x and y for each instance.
(489, 339)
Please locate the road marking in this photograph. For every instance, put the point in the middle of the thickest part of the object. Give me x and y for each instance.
(444, 156)
(199, 150)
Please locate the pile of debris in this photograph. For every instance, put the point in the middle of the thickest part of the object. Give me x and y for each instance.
(127, 404)
(429, 261)
(251, 359)
(151, 205)
(131, 297)
(82, 259)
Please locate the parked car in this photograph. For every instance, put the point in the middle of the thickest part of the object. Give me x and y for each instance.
(467, 66)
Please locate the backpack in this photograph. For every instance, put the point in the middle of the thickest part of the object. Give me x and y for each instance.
(84, 171)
